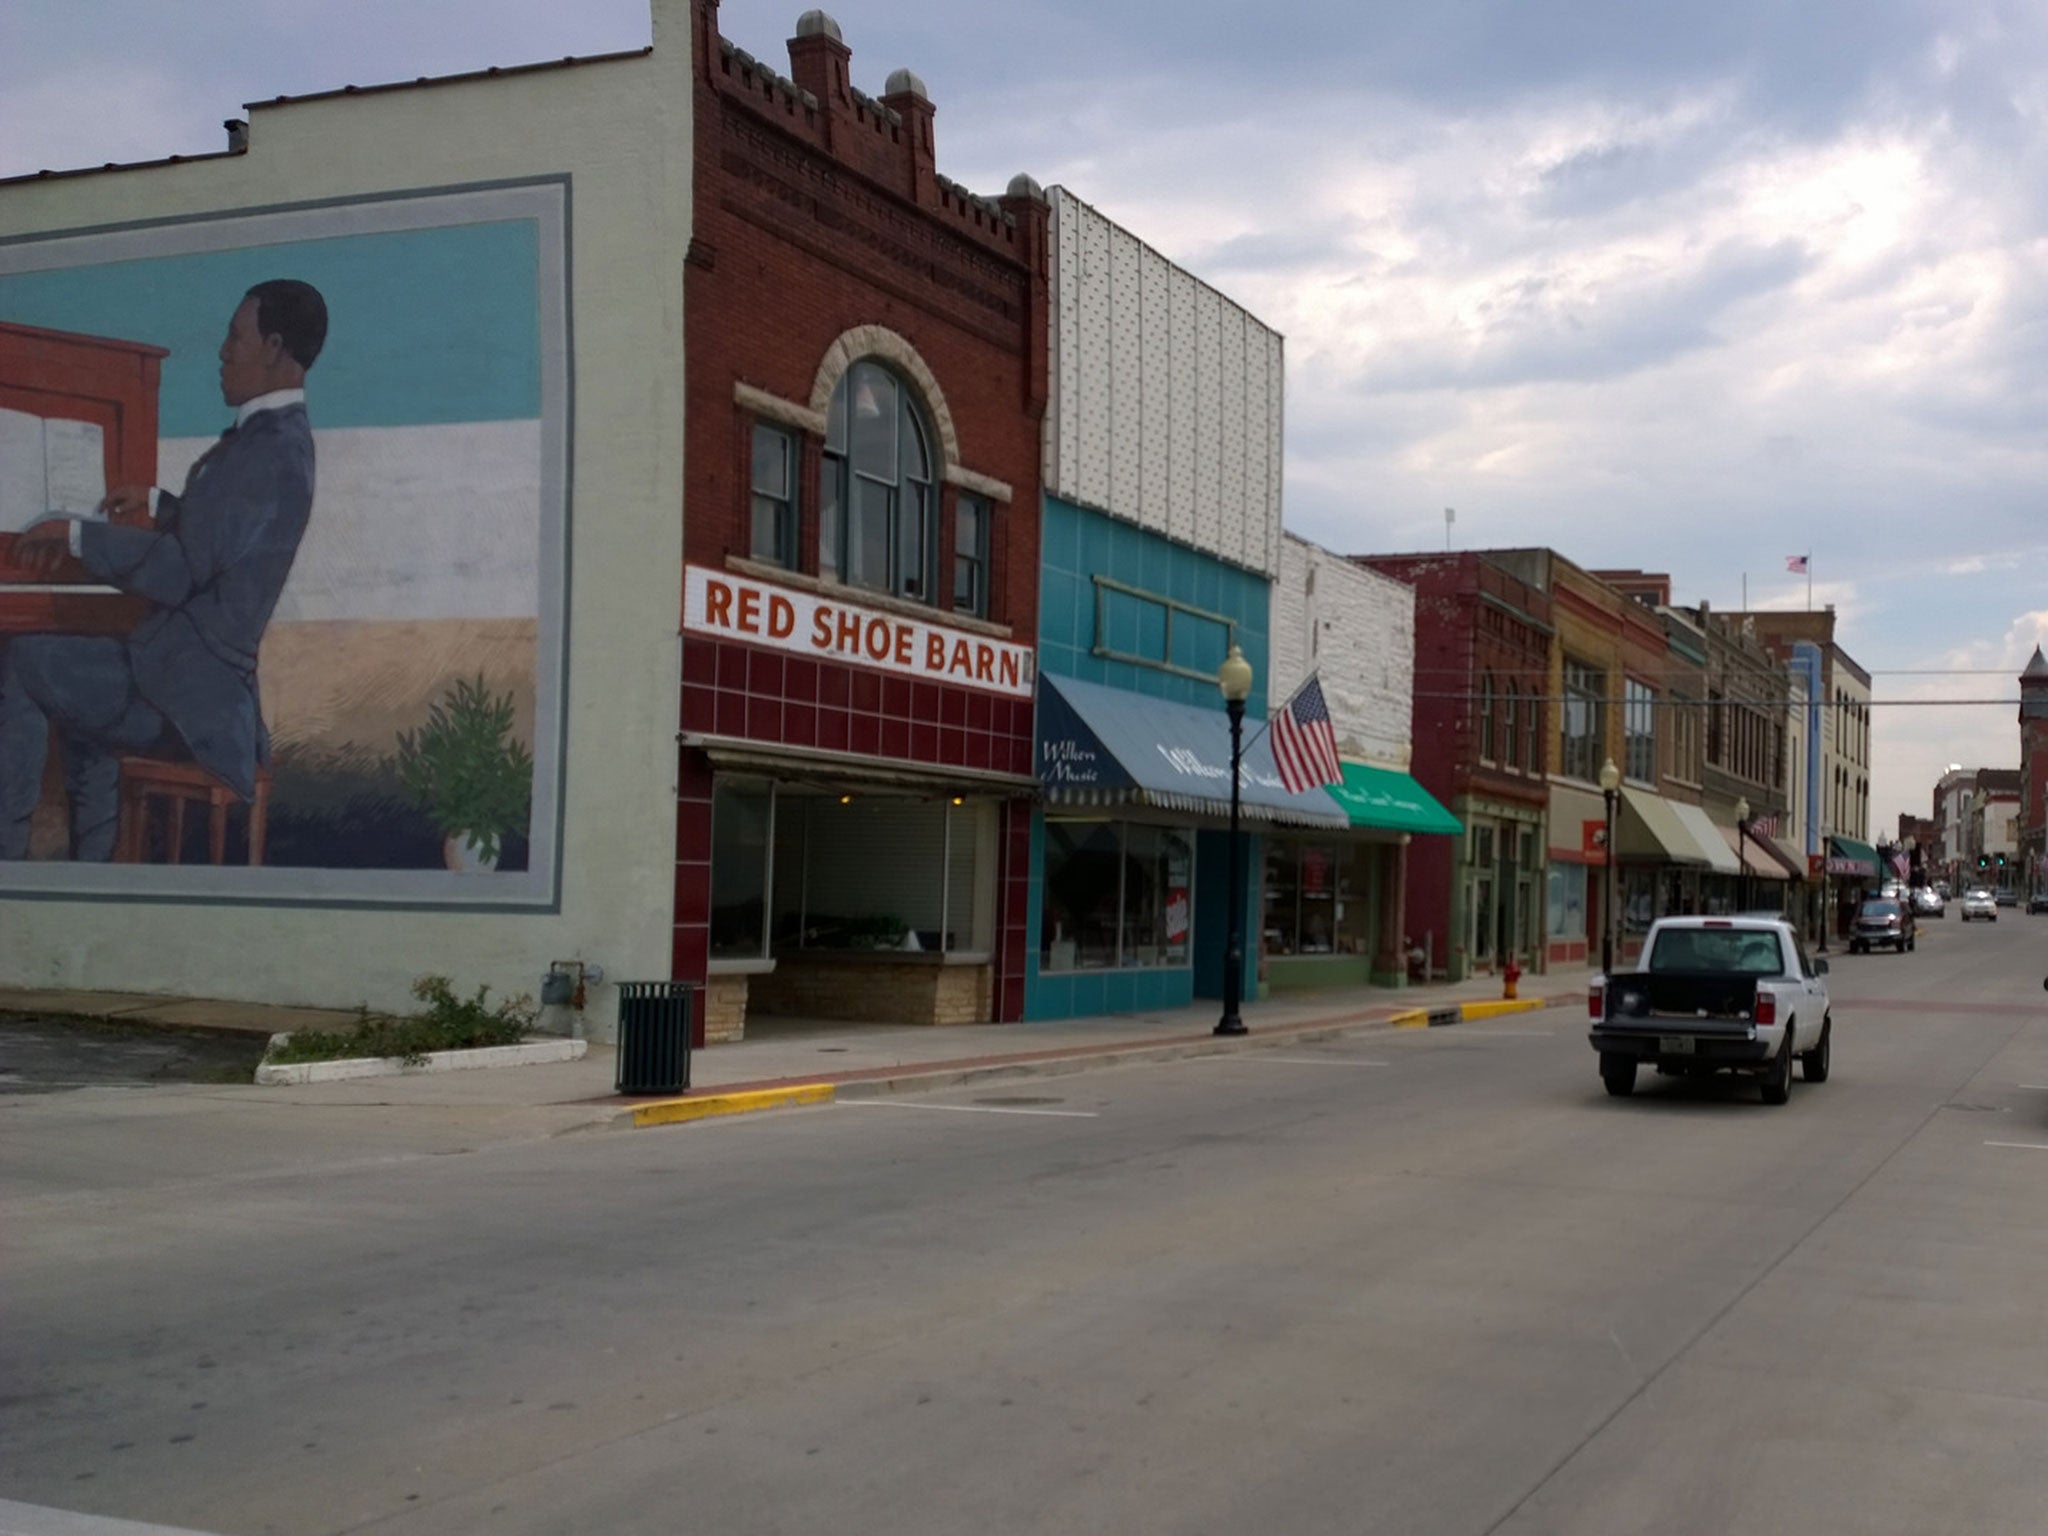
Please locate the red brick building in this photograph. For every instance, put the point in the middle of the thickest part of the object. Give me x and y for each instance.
(1482, 666)
(2033, 820)
(866, 387)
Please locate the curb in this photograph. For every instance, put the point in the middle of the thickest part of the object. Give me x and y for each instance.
(680, 1111)
(292, 1074)
(1457, 1013)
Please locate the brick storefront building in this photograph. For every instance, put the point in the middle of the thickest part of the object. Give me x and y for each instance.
(1481, 733)
(866, 388)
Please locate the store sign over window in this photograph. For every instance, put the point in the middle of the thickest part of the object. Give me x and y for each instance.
(732, 607)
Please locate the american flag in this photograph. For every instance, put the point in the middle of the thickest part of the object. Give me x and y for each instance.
(1796, 564)
(1304, 741)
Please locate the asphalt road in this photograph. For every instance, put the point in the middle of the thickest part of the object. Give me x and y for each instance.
(37, 1056)
(1406, 1282)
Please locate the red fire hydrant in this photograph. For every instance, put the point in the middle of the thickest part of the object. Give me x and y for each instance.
(1510, 979)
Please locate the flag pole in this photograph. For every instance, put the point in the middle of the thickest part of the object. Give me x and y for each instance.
(1745, 591)
(1809, 578)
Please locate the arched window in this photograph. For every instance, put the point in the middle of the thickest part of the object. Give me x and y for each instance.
(878, 500)
(1514, 724)
(1486, 753)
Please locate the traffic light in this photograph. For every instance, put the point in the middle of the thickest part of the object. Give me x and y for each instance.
(1982, 862)
(2001, 861)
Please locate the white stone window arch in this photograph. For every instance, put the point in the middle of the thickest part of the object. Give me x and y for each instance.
(878, 492)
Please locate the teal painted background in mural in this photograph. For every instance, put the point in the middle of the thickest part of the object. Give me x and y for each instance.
(426, 327)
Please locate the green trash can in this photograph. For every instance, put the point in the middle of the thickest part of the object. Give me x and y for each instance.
(654, 1036)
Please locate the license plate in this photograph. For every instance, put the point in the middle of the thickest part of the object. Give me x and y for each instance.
(1674, 1045)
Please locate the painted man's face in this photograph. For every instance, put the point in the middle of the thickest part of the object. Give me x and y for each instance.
(245, 361)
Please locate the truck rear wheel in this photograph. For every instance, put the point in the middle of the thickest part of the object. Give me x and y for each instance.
(1813, 1066)
(1618, 1074)
(1777, 1078)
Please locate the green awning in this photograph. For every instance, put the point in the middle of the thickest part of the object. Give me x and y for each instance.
(1847, 856)
(1390, 801)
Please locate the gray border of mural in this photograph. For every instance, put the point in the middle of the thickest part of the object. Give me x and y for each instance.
(545, 200)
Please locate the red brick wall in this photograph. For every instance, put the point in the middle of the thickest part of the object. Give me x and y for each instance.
(1458, 639)
(812, 220)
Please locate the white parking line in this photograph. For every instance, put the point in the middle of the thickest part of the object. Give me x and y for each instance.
(1490, 1034)
(1293, 1061)
(2035, 1087)
(971, 1109)
(2020, 1146)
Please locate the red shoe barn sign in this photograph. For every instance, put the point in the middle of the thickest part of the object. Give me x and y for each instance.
(734, 607)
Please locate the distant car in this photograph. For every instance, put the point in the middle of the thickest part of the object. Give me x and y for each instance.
(1979, 904)
(1928, 902)
(2007, 898)
(1882, 923)
(2037, 902)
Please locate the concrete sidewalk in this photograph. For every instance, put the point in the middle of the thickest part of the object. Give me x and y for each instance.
(785, 1063)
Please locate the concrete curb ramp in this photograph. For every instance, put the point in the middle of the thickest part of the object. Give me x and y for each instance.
(292, 1073)
(680, 1111)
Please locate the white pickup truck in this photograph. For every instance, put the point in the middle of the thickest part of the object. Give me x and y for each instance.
(1715, 994)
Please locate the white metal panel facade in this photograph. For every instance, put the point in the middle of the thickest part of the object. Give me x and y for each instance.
(1166, 407)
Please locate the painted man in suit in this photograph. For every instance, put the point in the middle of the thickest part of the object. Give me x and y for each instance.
(210, 560)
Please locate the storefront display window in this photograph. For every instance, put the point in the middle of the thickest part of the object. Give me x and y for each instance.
(1566, 891)
(1638, 898)
(1117, 895)
(742, 830)
(884, 872)
(1315, 899)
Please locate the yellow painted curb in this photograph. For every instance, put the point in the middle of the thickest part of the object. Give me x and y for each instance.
(679, 1111)
(1413, 1018)
(1499, 1006)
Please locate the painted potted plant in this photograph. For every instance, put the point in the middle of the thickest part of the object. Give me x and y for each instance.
(465, 769)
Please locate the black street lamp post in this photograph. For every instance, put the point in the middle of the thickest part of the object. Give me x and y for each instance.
(1610, 783)
(1234, 678)
(1742, 854)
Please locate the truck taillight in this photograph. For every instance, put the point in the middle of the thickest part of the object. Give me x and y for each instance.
(1766, 1008)
(1594, 999)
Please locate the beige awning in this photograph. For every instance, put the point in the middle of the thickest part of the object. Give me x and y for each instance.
(1707, 833)
(1648, 829)
(1756, 854)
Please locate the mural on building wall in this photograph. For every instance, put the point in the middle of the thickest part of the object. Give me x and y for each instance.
(282, 541)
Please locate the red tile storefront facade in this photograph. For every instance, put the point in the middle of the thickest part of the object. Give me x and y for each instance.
(825, 238)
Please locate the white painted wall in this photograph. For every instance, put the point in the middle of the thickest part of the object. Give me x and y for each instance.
(1166, 399)
(621, 132)
(1357, 629)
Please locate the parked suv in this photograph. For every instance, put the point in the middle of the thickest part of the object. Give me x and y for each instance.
(1883, 922)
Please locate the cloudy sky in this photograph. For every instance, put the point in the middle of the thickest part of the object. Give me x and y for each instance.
(1690, 287)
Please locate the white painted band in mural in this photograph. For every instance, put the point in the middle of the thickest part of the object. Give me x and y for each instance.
(734, 607)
